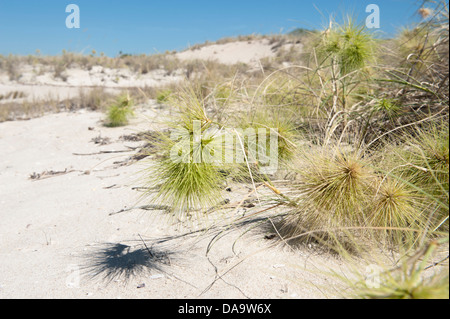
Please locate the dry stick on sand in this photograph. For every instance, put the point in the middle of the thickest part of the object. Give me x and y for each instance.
(49, 174)
(102, 152)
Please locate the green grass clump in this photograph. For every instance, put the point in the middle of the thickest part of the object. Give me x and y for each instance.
(423, 160)
(337, 184)
(186, 186)
(163, 96)
(428, 154)
(351, 46)
(394, 208)
(186, 181)
(408, 286)
(334, 189)
(119, 112)
(388, 107)
(279, 123)
(222, 94)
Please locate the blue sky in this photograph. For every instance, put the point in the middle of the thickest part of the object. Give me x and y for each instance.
(151, 26)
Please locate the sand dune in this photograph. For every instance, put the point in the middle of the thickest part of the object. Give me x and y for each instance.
(249, 52)
(39, 83)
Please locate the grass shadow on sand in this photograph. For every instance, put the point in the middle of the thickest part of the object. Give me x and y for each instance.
(112, 262)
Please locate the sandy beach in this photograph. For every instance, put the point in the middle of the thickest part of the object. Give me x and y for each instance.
(58, 239)
(60, 236)
(314, 162)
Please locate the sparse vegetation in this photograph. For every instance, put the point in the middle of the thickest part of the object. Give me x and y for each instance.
(362, 141)
(120, 111)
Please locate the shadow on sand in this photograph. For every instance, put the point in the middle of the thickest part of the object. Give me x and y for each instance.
(111, 262)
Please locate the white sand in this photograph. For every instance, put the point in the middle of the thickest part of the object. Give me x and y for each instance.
(48, 88)
(52, 228)
(250, 52)
(39, 92)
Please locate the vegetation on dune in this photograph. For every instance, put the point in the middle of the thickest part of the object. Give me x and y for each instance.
(120, 111)
(362, 144)
(413, 278)
(362, 140)
(186, 181)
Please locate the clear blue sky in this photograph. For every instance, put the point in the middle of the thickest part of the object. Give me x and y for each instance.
(150, 26)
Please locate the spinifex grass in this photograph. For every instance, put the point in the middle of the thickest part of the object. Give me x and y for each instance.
(395, 206)
(349, 45)
(388, 107)
(334, 190)
(119, 112)
(415, 278)
(428, 154)
(187, 186)
(410, 286)
(185, 180)
(423, 160)
(274, 122)
(344, 54)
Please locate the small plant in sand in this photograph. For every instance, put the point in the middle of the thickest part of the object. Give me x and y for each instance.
(340, 191)
(185, 180)
(271, 120)
(119, 112)
(344, 55)
(388, 107)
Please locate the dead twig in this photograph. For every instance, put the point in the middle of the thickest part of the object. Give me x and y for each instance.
(101, 152)
(49, 174)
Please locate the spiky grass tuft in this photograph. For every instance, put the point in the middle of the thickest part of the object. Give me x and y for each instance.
(388, 107)
(349, 45)
(276, 123)
(411, 280)
(187, 187)
(423, 159)
(186, 181)
(408, 286)
(429, 155)
(119, 112)
(337, 184)
(334, 189)
(163, 96)
(396, 207)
